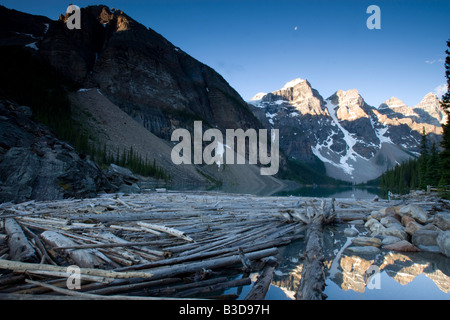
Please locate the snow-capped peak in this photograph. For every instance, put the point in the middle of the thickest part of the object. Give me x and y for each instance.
(293, 83)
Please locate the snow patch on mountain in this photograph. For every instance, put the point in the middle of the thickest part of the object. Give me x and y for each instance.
(349, 139)
(293, 83)
(270, 117)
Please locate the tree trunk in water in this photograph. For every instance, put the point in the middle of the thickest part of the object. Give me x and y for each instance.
(312, 281)
(261, 286)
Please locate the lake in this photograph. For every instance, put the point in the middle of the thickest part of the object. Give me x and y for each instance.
(400, 276)
(332, 192)
(351, 192)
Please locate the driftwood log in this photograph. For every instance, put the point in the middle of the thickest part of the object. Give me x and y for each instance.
(22, 267)
(215, 263)
(262, 284)
(19, 247)
(81, 257)
(313, 276)
(312, 281)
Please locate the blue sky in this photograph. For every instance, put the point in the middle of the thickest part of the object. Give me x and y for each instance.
(259, 45)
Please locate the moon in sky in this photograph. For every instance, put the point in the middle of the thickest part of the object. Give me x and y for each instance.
(296, 28)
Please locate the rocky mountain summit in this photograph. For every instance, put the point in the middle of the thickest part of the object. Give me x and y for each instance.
(155, 82)
(355, 141)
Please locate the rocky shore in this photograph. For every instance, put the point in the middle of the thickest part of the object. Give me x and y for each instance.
(421, 223)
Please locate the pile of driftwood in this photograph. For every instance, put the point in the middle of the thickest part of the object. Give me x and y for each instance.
(146, 246)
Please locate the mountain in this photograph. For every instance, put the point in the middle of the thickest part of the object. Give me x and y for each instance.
(119, 90)
(35, 164)
(127, 88)
(155, 82)
(355, 141)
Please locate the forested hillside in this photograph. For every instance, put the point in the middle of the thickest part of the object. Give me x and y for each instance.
(432, 167)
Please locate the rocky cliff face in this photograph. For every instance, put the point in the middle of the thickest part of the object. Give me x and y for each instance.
(156, 83)
(356, 141)
(35, 164)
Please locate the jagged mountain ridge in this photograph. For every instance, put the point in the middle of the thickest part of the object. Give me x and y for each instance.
(355, 141)
(124, 65)
(155, 82)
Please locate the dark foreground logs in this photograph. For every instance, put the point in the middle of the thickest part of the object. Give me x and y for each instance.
(162, 245)
(158, 245)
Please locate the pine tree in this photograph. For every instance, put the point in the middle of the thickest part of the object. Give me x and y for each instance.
(433, 167)
(104, 155)
(445, 144)
(414, 177)
(423, 161)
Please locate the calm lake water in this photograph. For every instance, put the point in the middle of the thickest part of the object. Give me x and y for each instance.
(399, 276)
(332, 192)
(305, 191)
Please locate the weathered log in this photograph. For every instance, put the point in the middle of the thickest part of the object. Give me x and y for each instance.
(10, 279)
(43, 251)
(19, 247)
(214, 288)
(209, 254)
(90, 296)
(61, 274)
(21, 267)
(169, 291)
(63, 223)
(175, 270)
(165, 229)
(262, 284)
(125, 285)
(82, 258)
(312, 280)
(103, 245)
(233, 238)
(115, 242)
(36, 297)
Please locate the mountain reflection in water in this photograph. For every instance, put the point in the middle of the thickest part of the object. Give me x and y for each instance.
(417, 275)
